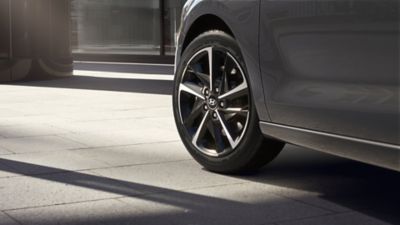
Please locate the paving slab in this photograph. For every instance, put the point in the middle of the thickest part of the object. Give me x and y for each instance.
(6, 112)
(166, 176)
(308, 197)
(38, 144)
(137, 154)
(350, 218)
(103, 212)
(134, 113)
(106, 138)
(6, 171)
(54, 189)
(47, 119)
(111, 125)
(4, 151)
(6, 220)
(50, 162)
(30, 130)
(225, 204)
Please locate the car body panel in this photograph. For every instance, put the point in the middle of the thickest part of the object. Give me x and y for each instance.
(333, 66)
(375, 153)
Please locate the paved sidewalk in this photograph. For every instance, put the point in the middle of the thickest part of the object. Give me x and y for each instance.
(104, 150)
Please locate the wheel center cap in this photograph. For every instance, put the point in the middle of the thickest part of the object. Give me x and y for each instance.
(212, 102)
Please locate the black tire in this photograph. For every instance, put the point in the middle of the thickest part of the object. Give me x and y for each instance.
(254, 150)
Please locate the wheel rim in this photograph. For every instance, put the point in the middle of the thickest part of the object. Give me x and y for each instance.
(214, 101)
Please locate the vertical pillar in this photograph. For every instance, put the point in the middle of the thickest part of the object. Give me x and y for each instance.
(162, 28)
(4, 40)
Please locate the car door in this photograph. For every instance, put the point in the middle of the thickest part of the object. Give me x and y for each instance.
(332, 66)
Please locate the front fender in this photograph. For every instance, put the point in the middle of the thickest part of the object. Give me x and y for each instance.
(242, 17)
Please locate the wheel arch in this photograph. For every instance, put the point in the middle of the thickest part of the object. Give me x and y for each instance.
(202, 24)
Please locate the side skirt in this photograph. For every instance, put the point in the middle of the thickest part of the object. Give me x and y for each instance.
(375, 153)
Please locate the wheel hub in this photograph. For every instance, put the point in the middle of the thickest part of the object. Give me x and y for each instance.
(212, 103)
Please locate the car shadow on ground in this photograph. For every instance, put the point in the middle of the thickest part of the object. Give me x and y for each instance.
(367, 189)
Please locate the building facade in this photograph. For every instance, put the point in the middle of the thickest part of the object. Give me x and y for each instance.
(43, 37)
(124, 30)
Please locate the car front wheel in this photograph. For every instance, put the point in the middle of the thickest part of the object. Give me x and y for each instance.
(214, 110)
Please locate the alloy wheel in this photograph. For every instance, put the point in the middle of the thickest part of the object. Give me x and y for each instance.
(214, 101)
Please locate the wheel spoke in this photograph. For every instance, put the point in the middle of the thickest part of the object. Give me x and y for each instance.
(217, 136)
(210, 63)
(235, 92)
(200, 130)
(195, 113)
(226, 130)
(192, 89)
(204, 78)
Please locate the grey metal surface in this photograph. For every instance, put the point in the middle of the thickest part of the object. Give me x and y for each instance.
(333, 66)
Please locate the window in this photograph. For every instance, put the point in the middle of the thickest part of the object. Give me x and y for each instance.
(125, 27)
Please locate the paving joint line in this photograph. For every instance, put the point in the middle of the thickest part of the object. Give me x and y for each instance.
(126, 145)
(307, 217)
(38, 175)
(35, 136)
(303, 202)
(57, 204)
(119, 197)
(125, 118)
(86, 146)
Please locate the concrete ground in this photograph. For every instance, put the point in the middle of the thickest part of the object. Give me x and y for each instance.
(103, 149)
